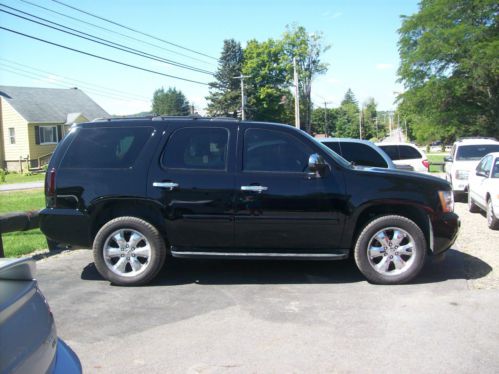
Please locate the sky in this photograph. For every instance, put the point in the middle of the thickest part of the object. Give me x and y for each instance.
(362, 35)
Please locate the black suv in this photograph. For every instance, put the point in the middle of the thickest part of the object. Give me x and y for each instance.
(138, 190)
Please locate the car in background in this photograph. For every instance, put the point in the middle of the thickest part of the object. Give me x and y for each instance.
(483, 189)
(406, 155)
(360, 152)
(28, 337)
(464, 157)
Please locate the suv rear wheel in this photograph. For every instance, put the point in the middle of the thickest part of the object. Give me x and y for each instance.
(390, 250)
(129, 251)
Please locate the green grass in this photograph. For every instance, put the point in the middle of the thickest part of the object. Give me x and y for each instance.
(16, 244)
(436, 157)
(21, 178)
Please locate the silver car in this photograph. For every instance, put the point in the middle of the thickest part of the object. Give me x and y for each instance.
(28, 337)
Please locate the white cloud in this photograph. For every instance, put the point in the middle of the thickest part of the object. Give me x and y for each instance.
(329, 15)
(382, 66)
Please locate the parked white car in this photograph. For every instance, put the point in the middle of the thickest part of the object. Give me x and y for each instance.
(463, 160)
(406, 155)
(483, 189)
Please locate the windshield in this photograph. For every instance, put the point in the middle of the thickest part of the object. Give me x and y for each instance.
(330, 152)
(475, 152)
(495, 169)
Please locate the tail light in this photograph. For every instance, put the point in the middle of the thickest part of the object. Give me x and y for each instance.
(50, 192)
(426, 164)
(51, 183)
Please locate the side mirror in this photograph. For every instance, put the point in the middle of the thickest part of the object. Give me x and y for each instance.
(480, 173)
(316, 163)
(448, 159)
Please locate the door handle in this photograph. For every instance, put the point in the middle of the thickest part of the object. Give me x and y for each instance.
(169, 185)
(258, 189)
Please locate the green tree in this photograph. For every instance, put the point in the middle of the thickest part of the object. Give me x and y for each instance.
(450, 68)
(170, 102)
(324, 121)
(225, 95)
(369, 118)
(307, 49)
(347, 124)
(269, 98)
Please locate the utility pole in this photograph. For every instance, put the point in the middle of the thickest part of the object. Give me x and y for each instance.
(297, 95)
(360, 122)
(241, 77)
(326, 127)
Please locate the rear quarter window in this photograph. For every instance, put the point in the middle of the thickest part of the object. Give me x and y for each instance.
(106, 148)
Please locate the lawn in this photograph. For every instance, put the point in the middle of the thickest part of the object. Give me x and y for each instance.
(21, 178)
(436, 157)
(16, 244)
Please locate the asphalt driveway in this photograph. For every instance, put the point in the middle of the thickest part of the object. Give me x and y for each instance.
(260, 317)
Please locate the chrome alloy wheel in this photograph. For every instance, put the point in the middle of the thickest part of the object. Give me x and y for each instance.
(127, 252)
(391, 251)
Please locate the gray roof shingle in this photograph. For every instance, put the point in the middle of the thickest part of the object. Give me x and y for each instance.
(50, 105)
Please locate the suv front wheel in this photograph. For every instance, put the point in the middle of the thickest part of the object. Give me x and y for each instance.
(390, 250)
(129, 251)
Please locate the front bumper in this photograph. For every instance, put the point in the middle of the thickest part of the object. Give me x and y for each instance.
(445, 230)
(66, 361)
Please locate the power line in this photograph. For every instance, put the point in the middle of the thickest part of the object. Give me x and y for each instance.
(101, 57)
(73, 80)
(102, 41)
(114, 32)
(131, 29)
(92, 91)
(60, 80)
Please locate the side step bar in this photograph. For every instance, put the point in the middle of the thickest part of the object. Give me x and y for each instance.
(341, 254)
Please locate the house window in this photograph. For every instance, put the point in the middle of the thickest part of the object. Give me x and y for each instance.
(48, 134)
(12, 135)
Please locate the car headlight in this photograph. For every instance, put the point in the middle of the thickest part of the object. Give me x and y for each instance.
(462, 174)
(446, 200)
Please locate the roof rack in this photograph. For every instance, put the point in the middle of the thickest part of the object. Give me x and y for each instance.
(154, 117)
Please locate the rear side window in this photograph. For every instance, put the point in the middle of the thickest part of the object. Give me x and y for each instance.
(197, 148)
(358, 153)
(401, 152)
(267, 150)
(106, 148)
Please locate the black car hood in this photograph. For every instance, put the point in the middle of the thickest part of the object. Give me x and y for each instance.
(404, 174)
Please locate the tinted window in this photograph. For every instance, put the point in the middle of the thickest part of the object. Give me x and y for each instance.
(401, 152)
(197, 148)
(475, 152)
(334, 146)
(115, 148)
(358, 153)
(266, 150)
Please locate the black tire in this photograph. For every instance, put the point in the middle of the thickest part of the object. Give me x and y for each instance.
(151, 243)
(459, 196)
(412, 237)
(472, 207)
(492, 221)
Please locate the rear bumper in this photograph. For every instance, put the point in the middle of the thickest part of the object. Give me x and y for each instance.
(66, 226)
(445, 231)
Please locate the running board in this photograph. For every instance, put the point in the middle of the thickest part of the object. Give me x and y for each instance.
(260, 255)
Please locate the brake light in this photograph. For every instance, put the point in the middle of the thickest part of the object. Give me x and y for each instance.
(426, 164)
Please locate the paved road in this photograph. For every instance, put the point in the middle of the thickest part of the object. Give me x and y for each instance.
(261, 317)
(21, 186)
